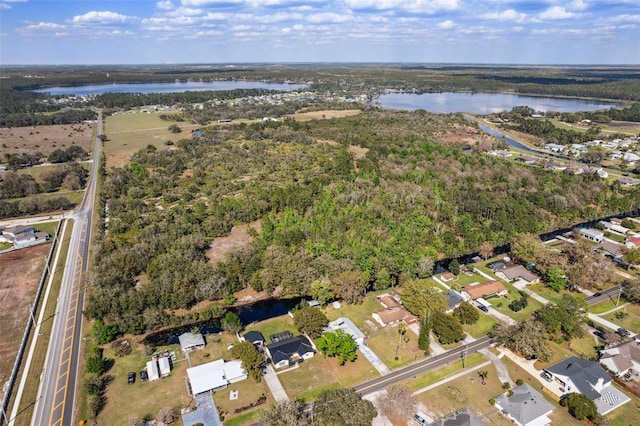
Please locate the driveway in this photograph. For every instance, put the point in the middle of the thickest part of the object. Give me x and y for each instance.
(278, 392)
(373, 359)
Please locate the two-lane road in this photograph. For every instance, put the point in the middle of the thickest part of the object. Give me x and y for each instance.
(56, 396)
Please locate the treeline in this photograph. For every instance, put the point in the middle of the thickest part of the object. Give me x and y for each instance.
(67, 116)
(551, 134)
(69, 176)
(332, 225)
(33, 205)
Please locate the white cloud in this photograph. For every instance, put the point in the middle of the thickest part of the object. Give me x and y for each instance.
(4, 6)
(625, 18)
(506, 15)
(445, 25)
(101, 17)
(329, 17)
(185, 11)
(557, 12)
(417, 6)
(165, 5)
(578, 5)
(44, 26)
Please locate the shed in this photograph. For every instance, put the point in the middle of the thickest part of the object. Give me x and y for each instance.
(254, 337)
(592, 234)
(165, 366)
(152, 370)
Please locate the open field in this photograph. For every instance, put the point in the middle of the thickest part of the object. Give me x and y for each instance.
(501, 304)
(20, 271)
(30, 393)
(128, 133)
(38, 170)
(550, 294)
(319, 373)
(466, 391)
(583, 347)
(630, 318)
(625, 127)
(45, 139)
(319, 115)
(482, 327)
(237, 238)
(606, 305)
(389, 345)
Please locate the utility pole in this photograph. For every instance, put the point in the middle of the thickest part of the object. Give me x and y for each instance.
(463, 354)
(619, 294)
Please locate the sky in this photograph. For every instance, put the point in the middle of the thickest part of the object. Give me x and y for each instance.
(537, 32)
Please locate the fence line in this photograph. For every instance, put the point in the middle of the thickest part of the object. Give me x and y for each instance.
(27, 330)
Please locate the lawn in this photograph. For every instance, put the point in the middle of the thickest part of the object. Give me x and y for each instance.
(443, 372)
(606, 305)
(143, 400)
(74, 197)
(631, 321)
(583, 347)
(357, 313)
(385, 345)
(248, 392)
(502, 304)
(128, 133)
(480, 328)
(320, 373)
(216, 348)
(273, 326)
(548, 293)
(464, 279)
(466, 391)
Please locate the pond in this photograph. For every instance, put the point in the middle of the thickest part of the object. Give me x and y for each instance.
(182, 86)
(485, 103)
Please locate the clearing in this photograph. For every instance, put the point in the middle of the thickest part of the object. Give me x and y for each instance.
(325, 114)
(46, 139)
(20, 271)
(237, 238)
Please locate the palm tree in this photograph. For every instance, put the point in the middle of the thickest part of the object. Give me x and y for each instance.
(483, 375)
(402, 329)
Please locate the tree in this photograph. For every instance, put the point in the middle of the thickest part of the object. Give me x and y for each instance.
(105, 333)
(454, 267)
(338, 344)
(528, 338)
(174, 128)
(321, 290)
(527, 248)
(310, 320)
(288, 413)
(424, 268)
(348, 285)
(483, 375)
(424, 339)
(581, 407)
(556, 280)
(421, 299)
(447, 328)
(166, 415)
(402, 330)
(466, 313)
(95, 365)
(566, 317)
(343, 407)
(251, 359)
(231, 323)
(486, 250)
(632, 291)
(398, 403)
(632, 256)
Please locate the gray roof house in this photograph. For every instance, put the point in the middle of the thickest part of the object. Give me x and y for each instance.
(527, 407)
(287, 351)
(517, 272)
(463, 417)
(346, 325)
(254, 337)
(453, 300)
(190, 342)
(622, 359)
(590, 379)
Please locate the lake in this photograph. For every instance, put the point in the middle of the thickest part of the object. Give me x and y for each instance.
(485, 103)
(193, 86)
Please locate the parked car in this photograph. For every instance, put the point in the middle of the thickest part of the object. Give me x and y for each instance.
(623, 332)
(131, 378)
(546, 376)
(421, 420)
(143, 376)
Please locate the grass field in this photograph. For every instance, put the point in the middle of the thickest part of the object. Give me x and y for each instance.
(319, 115)
(632, 319)
(128, 133)
(320, 373)
(45, 139)
(37, 171)
(549, 294)
(30, 393)
(522, 315)
(482, 327)
(606, 305)
(388, 345)
(443, 372)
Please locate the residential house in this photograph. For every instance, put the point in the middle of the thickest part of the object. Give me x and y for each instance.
(165, 366)
(528, 159)
(152, 370)
(554, 147)
(13, 232)
(588, 378)
(630, 157)
(613, 226)
(485, 289)
(463, 417)
(254, 337)
(387, 301)
(348, 327)
(191, 342)
(628, 181)
(525, 407)
(517, 272)
(555, 165)
(501, 153)
(633, 242)
(592, 234)
(622, 359)
(215, 375)
(393, 315)
(288, 351)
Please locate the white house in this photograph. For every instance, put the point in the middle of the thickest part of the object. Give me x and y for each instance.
(191, 342)
(554, 147)
(215, 375)
(592, 234)
(152, 370)
(346, 325)
(288, 351)
(622, 359)
(517, 272)
(165, 366)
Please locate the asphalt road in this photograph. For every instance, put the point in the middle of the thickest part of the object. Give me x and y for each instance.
(412, 370)
(610, 293)
(56, 396)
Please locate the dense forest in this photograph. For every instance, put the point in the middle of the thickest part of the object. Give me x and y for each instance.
(329, 220)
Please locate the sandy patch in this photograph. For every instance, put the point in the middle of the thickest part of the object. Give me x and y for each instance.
(45, 139)
(238, 237)
(319, 115)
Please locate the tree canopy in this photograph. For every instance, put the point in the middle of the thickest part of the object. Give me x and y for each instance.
(310, 320)
(338, 344)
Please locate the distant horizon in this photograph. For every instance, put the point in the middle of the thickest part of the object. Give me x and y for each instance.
(142, 32)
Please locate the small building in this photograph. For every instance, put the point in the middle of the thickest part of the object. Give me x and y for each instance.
(592, 234)
(165, 366)
(633, 242)
(254, 337)
(463, 417)
(485, 289)
(29, 239)
(628, 181)
(346, 325)
(313, 303)
(622, 359)
(526, 406)
(191, 342)
(517, 272)
(554, 147)
(152, 370)
(392, 316)
(288, 351)
(279, 337)
(14, 231)
(453, 300)
(215, 375)
(447, 276)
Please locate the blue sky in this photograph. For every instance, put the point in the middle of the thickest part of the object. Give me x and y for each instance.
(227, 31)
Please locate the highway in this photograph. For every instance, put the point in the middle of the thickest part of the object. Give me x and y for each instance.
(56, 395)
(412, 370)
